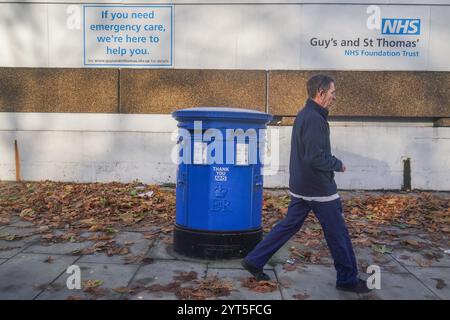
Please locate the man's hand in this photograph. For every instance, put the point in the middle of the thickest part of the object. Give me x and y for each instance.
(343, 168)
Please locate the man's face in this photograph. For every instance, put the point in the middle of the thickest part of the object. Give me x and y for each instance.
(327, 98)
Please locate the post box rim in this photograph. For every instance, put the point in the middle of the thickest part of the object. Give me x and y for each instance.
(225, 113)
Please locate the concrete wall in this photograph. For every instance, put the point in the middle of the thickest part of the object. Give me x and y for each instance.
(229, 34)
(123, 147)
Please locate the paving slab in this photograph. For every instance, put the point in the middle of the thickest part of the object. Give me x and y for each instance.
(417, 259)
(3, 260)
(144, 228)
(139, 246)
(58, 248)
(367, 257)
(9, 248)
(237, 277)
(163, 251)
(162, 272)
(19, 223)
(437, 279)
(25, 275)
(225, 264)
(113, 276)
(13, 219)
(400, 286)
(314, 282)
(23, 232)
(283, 254)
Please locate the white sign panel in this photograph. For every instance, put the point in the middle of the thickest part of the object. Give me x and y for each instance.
(127, 35)
(242, 154)
(365, 37)
(200, 152)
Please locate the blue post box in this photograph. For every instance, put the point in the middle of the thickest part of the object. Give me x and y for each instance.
(219, 190)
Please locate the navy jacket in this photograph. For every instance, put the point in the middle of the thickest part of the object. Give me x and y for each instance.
(311, 164)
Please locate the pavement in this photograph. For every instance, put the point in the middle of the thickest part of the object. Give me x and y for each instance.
(33, 270)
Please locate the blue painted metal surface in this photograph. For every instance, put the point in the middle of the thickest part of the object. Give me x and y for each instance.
(223, 193)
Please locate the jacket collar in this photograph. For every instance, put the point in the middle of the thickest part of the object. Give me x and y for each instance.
(310, 103)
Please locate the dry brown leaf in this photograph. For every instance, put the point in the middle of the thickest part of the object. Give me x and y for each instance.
(259, 286)
(91, 284)
(301, 296)
(440, 284)
(133, 259)
(186, 276)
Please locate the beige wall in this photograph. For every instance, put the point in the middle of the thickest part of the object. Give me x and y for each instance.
(396, 94)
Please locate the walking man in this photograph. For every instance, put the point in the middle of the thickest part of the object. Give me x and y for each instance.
(312, 188)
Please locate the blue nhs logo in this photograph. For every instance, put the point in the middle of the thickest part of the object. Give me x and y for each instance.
(400, 26)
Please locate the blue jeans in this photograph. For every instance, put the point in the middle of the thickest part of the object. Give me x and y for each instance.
(333, 225)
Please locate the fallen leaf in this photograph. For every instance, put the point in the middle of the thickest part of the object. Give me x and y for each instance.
(186, 276)
(440, 284)
(8, 237)
(96, 227)
(48, 236)
(148, 260)
(27, 214)
(413, 243)
(87, 284)
(445, 229)
(96, 291)
(133, 259)
(423, 263)
(381, 249)
(301, 296)
(5, 220)
(89, 222)
(205, 288)
(123, 290)
(44, 229)
(289, 267)
(413, 222)
(111, 230)
(259, 286)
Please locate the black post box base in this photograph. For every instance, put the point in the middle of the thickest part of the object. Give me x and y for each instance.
(215, 245)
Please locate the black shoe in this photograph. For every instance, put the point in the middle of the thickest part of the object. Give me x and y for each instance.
(359, 287)
(256, 272)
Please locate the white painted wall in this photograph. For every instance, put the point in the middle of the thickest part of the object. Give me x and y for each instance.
(264, 35)
(123, 147)
(183, 2)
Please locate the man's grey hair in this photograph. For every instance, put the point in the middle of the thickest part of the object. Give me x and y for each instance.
(318, 83)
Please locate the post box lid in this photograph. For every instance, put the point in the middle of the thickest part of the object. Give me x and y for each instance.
(221, 113)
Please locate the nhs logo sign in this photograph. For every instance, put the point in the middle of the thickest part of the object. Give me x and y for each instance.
(400, 26)
(392, 26)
